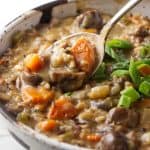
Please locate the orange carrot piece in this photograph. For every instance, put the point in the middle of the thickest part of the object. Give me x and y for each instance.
(46, 94)
(47, 125)
(62, 109)
(3, 60)
(144, 70)
(34, 63)
(37, 96)
(93, 138)
(84, 54)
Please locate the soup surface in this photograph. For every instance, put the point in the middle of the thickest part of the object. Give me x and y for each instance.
(50, 90)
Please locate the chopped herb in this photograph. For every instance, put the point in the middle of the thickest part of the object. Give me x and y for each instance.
(120, 73)
(134, 74)
(121, 65)
(125, 101)
(144, 69)
(132, 93)
(100, 73)
(112, 47)
(144, 88)
(145, 61)
(145, 51)
(119, 44)
(146, 78)
(128, 96)
(110, 51)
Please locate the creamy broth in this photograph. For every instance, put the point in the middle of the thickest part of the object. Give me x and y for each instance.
(87, 113)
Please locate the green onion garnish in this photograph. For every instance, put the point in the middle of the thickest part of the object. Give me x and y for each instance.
(112, 47)
(134, 73)
(128, 96)
(119, 44)
(132, 93)
(125, 101)
(100, 73)
(145, 51)
(120, 73)
(144, 88)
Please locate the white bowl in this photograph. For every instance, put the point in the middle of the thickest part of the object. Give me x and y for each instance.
(25, 135)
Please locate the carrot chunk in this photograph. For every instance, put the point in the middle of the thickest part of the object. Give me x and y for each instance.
(37, 96)
(93, 138)
(144, 69)
(62, 109)
(46, 94)
(47, 125)
(34, 63)
(84, 55)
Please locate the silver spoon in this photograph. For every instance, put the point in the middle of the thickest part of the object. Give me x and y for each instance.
(99, 40)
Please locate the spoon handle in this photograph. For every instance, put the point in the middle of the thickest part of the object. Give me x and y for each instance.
(123, 11)
(107, 28)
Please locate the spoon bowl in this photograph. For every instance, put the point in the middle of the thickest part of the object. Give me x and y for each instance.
(94, 39)
(97, 40)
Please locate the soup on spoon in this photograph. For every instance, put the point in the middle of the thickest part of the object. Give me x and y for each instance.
(75, 58)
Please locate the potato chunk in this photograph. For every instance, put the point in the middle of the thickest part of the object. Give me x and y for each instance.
(101, 91)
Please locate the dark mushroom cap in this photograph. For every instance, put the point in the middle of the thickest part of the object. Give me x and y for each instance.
(31, 79)
(89, 19)
(123, 116)
(113, 141)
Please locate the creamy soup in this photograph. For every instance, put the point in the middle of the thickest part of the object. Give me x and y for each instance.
(53, 94)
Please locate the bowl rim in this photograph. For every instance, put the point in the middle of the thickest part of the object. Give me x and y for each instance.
(39, 137)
